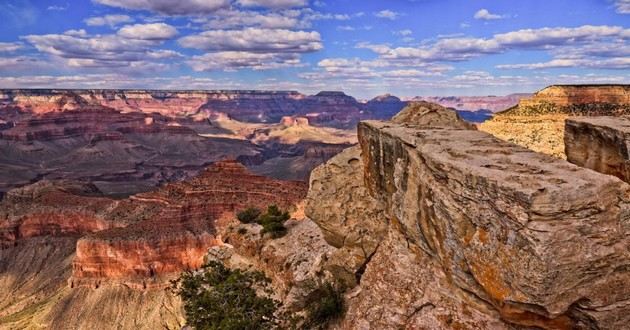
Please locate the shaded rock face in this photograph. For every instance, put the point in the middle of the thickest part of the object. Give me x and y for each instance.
(599, 143)
(350, 219)
(519, 231)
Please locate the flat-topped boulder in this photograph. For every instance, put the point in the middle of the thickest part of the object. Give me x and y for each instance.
(541, 240)
(599, 143)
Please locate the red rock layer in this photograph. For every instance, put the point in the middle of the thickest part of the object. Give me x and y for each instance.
(179, 236)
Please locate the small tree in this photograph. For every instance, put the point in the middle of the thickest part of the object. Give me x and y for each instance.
(218, 298)
(273, 221)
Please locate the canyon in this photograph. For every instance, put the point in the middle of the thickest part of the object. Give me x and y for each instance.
(131, 141)
(64, 243)
(426, 219)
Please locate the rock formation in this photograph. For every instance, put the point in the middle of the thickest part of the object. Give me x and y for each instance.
(474, 103)
(537, 123)
(599, 143)
(479, 233)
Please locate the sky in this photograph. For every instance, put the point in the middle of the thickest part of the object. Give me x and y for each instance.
(364, 48)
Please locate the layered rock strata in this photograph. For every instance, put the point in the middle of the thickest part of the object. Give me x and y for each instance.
(599, 143)
(66, 249)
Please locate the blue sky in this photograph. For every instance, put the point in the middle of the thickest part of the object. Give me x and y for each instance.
(365, 48)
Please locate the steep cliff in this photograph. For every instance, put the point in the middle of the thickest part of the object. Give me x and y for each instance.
(436, 225)
(537, 123)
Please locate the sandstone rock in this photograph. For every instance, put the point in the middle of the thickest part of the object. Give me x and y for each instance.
(425, 114)
(542, 241)
(349, 217)
(599, 143)
(404, 288)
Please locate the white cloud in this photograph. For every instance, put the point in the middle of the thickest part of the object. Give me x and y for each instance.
(458, 49)
(623, 6)
(231, 60)
(255, 40)
(273, 3)
(403, 33)
(111, 20)
(170, 7)
(151, 31)
(227, 19)
(79, 50)
(7, 47)
(484, 14)
(387, 14)
(622, 63)
(58, 7)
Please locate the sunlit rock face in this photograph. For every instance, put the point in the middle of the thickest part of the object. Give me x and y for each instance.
(537, 123)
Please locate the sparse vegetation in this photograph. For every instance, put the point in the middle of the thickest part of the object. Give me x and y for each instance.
(248, 215)
(325, 305)
(218, 298)
(272, 220)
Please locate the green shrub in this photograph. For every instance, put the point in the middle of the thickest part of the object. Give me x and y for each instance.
(325, 304)
(273, 221)
(218, 298)
(248, 215)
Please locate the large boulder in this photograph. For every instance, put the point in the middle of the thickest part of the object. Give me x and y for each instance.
(542, 241)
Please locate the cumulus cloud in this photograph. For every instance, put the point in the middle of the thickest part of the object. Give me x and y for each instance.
(111, 20)
(227, 19)
(255, 40)
(232, 60)
(169, 7)
(102, 51)
(7, 47)
(387, 14)
(273, 3)
(151, 31)
(484, 14)
(459, 49)
(623, 6)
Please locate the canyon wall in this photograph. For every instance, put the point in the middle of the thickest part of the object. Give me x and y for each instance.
(67, 249)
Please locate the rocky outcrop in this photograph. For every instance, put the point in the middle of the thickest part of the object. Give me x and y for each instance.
(519, 230)
(430, 115)
(537, 123)
(599, 143)
(591, 100)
